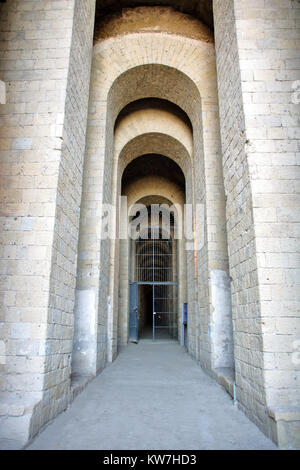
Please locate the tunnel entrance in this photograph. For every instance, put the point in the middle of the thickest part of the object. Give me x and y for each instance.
(157, 311)
(154, 186)
(145, 309)
(154, 310)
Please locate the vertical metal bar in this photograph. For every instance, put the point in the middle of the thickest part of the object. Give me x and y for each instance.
(153, 294)
(153, 311)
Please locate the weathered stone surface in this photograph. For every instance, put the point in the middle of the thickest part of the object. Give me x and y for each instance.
(228, 117)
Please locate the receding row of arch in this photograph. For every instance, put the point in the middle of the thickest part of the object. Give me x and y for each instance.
(124, 71)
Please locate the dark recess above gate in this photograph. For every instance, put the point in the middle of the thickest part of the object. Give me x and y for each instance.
(200, 9)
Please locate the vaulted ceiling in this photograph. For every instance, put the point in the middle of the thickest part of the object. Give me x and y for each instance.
(200, 9)
(153, 165)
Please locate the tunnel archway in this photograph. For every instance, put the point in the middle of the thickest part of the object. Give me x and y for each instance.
(143, 71)
(157, 259)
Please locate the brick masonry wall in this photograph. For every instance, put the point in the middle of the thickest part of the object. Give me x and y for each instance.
(64, 255)
(46, 49)
(260, 139)
(42, 144)
(268, 42)
(241, 237)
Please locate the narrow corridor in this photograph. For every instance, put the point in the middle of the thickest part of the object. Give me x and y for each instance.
(154, 396)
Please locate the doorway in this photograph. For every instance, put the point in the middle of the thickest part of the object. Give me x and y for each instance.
(145, 311)
(153, 296)
(153, 311)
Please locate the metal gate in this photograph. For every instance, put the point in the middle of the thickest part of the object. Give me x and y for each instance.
(156, 266)
(164, 311)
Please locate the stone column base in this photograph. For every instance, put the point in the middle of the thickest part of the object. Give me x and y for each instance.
(285, 426)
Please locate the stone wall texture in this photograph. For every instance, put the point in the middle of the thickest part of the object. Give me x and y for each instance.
(45, 61)
(257, 48)
(64, 289)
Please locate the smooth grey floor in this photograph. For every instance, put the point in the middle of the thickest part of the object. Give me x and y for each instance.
(153, 396)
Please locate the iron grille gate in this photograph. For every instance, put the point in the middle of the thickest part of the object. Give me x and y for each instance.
(155, 267)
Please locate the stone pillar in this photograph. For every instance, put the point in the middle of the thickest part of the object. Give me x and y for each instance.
(2, 92)
(46, 68)
(257, 45)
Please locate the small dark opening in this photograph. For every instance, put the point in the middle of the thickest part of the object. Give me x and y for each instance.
(145, 311)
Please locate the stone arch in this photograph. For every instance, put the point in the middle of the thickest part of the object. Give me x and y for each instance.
(154, 186)
(165, 191)
(125, 69)
(147, 143)
(155, 143)
(146, 121)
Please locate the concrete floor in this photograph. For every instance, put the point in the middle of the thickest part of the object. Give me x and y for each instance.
(153, 396)
(160, 334)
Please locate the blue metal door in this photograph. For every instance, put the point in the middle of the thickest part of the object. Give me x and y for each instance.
(133, 312)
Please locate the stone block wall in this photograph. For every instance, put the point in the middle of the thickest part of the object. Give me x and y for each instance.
(66, 230)
(260, 138)
(270, 65)
(42, 142)
(45, 59)
(241, 243)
